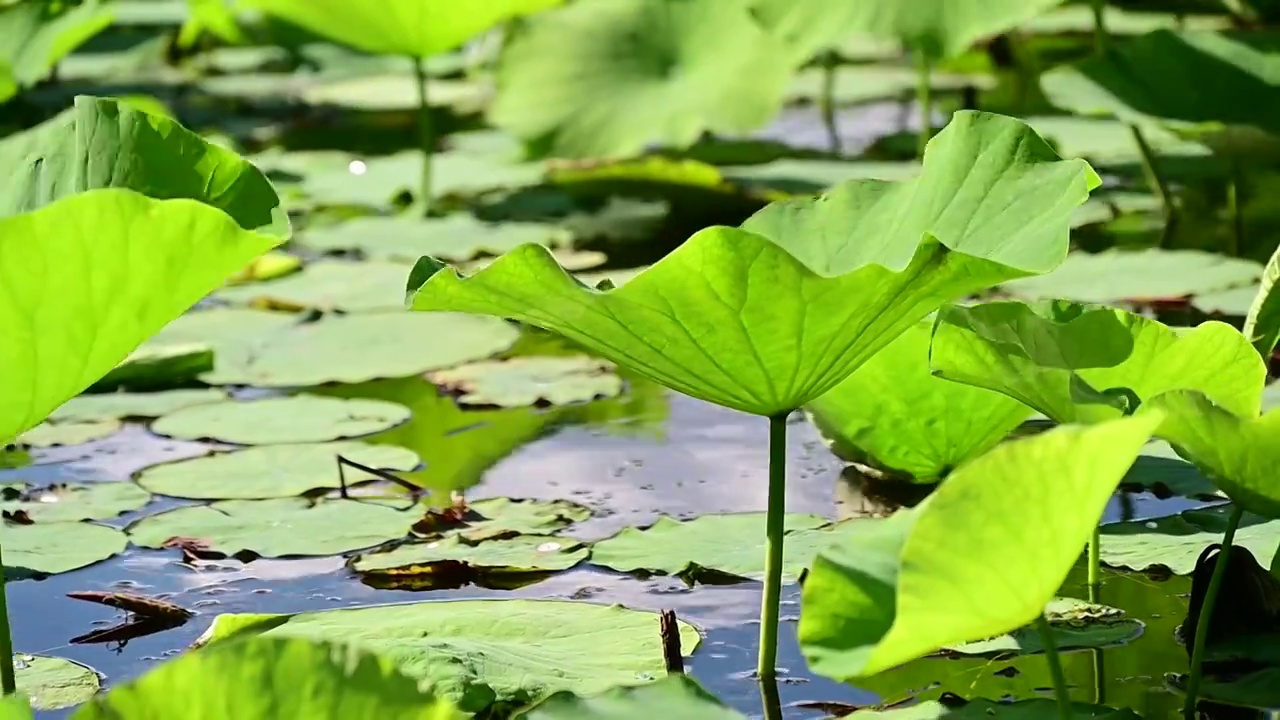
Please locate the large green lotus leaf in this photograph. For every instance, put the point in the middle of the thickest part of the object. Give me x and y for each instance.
(451, 555)
(53, 548)
(34, 36)
(118, 406)
(283, 527)
(983, 709)
(766, 317)
(53, 683)
(85, 296)
(520, 381)
(675, 697)
(454, 238)
(892, 413)
(896, 589)
(481, 652)
(1262, 324)
(62, 502)
(418, 28)
(671, 69)
(1239, 450)
(718, 546)
(272, 421)
(1236, 81)
(272, 471)
(1152, 274)
(937, 30)
(1174, 542)
(1062, 358)
(264, 678)
(101, 143)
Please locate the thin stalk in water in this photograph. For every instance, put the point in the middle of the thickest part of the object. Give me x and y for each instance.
(770, 602)
(924, 99)
(1055, 668)
(8, 685)
(827, 100)
(1154, 179)
(1206, 613)
(770, 701)
(1100, 37)
(1095, 566)
(425, 133)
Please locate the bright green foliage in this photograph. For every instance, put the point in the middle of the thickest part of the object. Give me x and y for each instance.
(1145, 81)
(1174, 542)
(1240, 451)
(418, 28)
(675, 697)
(295, 419)
(893, 414)
(267, 679)
(34, 36)
(939, 28)
(500, 556)
(452, 644)
(894, 590)
(1078, 363)
(53, 548)
(62, 502)
(15, 708)
(609, 77)
(766, 317)
(53, 683)
(1262, 326)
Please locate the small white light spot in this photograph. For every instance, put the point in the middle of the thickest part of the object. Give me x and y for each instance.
(549, 547)
(1152, 525)
(357, 167)
(433, 545)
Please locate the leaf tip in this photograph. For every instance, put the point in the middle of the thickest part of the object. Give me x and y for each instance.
(423, 270)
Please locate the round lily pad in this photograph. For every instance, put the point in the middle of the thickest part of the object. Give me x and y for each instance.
(233, 333)
(53, 683)
(54, 434)
(283, 527)
(52, 548)
(1152, 274)
(1160, 471)
(678, 696)
(493, 517)
(297, 419)
(62, 502)
(731, 545)
(1076, 624)
(455, 238)
(117, 406)
(328, 285)
(454, 555)
(1176, 541)
(271, 471)
(524, 381)
(158, 366)
(375, 182)
(367, 346)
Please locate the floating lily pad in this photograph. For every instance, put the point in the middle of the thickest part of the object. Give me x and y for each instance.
(455, 238)
(1161, 471)
(53, 683)
(53, 548)
(53, 434)
(232, 333)
(375, 182)
(729, 545)
(1175, 542)
(367, 346)
(271, 471)
(802, 175)
(397, 91)
(327, 285)
(273, 421)
(447, 644)
(158, 366)
(1075, 624)
(1135, 275)
(118, 406)
(856, 84)
(982, 709)
(283, 527)
(493, 517)
(530, 380)
(676, 697)
(1106, 141)
(453, 555)
(62, 502)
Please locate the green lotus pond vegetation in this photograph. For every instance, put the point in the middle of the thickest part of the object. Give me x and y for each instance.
(401, 287)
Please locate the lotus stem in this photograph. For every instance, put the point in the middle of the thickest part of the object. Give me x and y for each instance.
(1055, 668)
(1157, 183)
(8, 684)
(771, 601)
(426, 138)
(925, 100)
(1236, 207)
(770, 702)
(1100, 37)
(1095, 566)
(1206, 613)
(827, 100)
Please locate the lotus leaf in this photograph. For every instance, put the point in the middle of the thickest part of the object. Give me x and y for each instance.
(418, 28)
(1107, 141)
(157, 366)
(983, 709)
(381, 179)
(896, 589)
(867, 83)
(54, 434)
(495, 517)
(1174, 542)
(675, 697)
(1239, 450)
(61, 502)
(799, 176)
(451, 555)
(271, 471)
(1134, 275)
(282, 527)
(53, 548)
(232, 333)
(454, 238)
(53, 683)
(271, 421)
(1262, 325)
(671, 69)
(327, 285)
(35, 36)
(893, 414)
(118, 406)
(1162, 472)
(1075, 362)
(269, 266)
(530, 380)
(446, 644)
(1075, 624)
(267, 678)
(938, 32)
(732, 317)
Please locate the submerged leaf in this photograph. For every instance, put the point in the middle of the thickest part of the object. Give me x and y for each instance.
(896, 589)
(766, 317)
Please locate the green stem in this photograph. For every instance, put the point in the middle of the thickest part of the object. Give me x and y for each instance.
(7, 684)
(426, 139)
(1095, 597)
(1157, 183)
(1206, 612)
(1055, 668)
(770, 701)
(1237, 211)
(827, 101)
(924, 99)
(1095, 566)
(770, 602)
(1100, 37)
